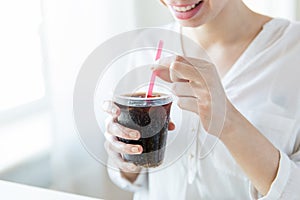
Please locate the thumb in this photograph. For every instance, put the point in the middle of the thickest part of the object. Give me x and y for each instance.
(112, 109)
(162, 72)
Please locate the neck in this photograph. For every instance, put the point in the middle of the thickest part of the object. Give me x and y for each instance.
(235, 23)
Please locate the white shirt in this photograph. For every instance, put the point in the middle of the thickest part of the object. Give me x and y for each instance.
(263, 85)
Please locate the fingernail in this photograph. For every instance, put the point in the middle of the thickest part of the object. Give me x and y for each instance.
(131, 167)
(133, 134)
(114, 111)
(135, 149)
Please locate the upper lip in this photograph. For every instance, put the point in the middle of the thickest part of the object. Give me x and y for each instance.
(184, 5)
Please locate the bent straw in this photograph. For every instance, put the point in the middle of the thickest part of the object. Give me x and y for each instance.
(152, 80)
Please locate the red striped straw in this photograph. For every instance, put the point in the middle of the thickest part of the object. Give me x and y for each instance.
(153, 76)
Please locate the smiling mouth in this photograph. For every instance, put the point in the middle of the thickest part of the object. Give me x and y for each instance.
(183, 9)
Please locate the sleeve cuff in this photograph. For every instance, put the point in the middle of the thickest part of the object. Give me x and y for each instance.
(279, 183)
(140, 182)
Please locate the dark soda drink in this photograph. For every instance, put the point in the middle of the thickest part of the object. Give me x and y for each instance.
(150, 116)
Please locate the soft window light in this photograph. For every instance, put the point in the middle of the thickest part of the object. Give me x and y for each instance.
(21, 79)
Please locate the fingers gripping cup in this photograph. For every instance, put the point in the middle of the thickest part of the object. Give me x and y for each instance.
(150, 116)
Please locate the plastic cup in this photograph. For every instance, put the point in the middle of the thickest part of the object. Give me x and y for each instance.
(150, 116)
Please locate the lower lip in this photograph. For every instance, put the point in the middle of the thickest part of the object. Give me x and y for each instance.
(189, 14)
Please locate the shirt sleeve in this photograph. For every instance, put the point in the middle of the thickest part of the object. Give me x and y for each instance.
(141, 183)
(286, 183)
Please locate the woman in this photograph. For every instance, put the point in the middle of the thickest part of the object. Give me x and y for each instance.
(256, 58)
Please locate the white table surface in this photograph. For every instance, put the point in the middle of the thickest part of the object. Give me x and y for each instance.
(15, 191)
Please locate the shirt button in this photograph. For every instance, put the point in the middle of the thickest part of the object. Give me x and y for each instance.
(191, 156)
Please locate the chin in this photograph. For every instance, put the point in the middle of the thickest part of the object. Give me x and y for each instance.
(189, 24)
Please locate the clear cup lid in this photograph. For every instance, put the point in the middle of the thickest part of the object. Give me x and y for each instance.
(140, 99)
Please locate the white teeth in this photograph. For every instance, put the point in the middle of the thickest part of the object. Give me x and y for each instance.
(187, 8)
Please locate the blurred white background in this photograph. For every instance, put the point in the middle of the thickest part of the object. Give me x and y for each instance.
(42, 46)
